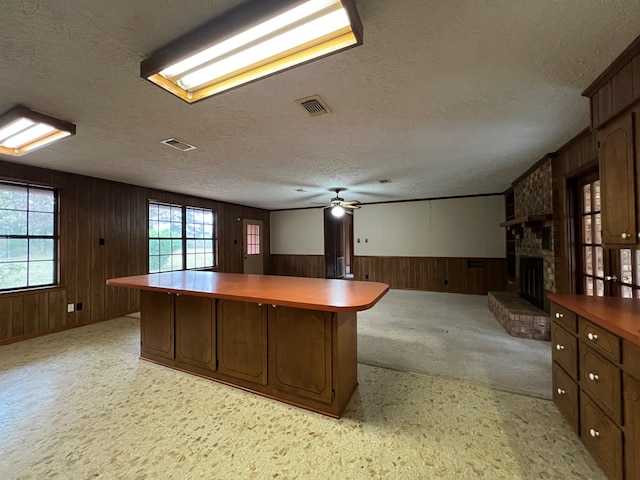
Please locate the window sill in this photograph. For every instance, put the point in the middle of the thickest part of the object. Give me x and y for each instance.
(31, 291)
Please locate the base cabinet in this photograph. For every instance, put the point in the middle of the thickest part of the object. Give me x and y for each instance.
(304, 357)
(601, 402)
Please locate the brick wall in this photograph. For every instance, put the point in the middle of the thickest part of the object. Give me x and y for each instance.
(533, 196)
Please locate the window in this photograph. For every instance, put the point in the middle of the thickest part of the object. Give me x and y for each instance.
(253, 239)
(28, 236)
(200, 240)
(180, 236)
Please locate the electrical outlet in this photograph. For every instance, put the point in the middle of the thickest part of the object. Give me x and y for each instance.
(366, 277)
(79, 306)
(70, 307)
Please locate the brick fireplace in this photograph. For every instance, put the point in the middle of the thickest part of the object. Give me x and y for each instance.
(524, 313)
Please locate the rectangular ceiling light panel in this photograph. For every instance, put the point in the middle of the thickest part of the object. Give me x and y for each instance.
(255, 40)
(23, 130)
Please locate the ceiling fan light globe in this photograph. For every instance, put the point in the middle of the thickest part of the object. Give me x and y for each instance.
(337, 211)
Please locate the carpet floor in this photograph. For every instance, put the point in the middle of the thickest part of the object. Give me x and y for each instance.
(80, 404)
(455, 336)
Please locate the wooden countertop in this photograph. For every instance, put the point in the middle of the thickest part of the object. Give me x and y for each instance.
(618, 315)
(299, 292)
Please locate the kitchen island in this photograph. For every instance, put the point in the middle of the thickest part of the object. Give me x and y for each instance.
(288, 338)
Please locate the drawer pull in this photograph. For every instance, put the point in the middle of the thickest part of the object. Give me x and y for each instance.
(594, 433)
(559, 347)
(592, 336)
(561, 391)
(594, 377)
(559, 315)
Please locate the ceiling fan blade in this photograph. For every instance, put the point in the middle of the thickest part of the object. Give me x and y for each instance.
(352, 202)
(352, 206)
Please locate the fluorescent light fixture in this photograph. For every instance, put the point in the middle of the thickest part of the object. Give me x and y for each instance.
(254, 40)
(23, 130)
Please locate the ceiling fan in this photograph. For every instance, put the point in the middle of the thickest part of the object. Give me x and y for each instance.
(338, 205)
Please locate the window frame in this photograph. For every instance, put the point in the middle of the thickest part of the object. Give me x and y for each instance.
(183, 236)
(55, 237)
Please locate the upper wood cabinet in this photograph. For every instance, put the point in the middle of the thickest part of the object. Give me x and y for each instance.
(617, 182)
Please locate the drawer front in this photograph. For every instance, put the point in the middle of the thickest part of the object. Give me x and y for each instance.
(601, 380)
(601, 437)
(631, 359)
(566, 396)
(564, 349)
(564, 317)
(600, 339)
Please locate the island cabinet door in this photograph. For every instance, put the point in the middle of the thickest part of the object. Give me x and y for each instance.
(242, 340)
(195, 331)
(156, 324)
(300, 352)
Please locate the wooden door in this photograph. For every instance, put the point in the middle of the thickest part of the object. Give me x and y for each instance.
(195, 331)
(157, 324)
(617, 178)
(300, 352)
(253, 244)
(242, 340)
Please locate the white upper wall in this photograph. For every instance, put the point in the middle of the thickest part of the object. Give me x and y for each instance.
(455, 227)
(297, 232)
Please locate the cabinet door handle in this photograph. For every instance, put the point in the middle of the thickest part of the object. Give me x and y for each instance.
(259, 304)
(561, 391)
(625, 235)
(559, 315)
(594, 377)
(559, 347)
(592, 336)
(594, 433)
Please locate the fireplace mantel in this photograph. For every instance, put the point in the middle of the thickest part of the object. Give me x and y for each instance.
(527, 221)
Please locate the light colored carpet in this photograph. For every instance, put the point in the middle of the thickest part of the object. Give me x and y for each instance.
(455, 336)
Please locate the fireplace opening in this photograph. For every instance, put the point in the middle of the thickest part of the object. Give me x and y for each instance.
(532, 281)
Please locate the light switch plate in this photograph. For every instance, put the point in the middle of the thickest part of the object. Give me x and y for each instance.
(70, 307)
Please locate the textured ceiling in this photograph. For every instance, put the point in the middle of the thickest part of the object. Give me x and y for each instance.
(444, 98)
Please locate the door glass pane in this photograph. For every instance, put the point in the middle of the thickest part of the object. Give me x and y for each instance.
(586, 195)
(599, 262)
(586, 229)
(598, 228)
(625, 266)
(588, 286)
(637, 255)
(627, 292)
(588, 260)
(600, 288)
(596, 196)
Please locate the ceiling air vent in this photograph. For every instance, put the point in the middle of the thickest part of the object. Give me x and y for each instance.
(172, 142)
(314, 106)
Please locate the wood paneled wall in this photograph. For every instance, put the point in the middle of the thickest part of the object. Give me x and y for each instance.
(617, 87)
(459, 275)
(297, 265)
(438, 274)
(92, 209)
(578, 156)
